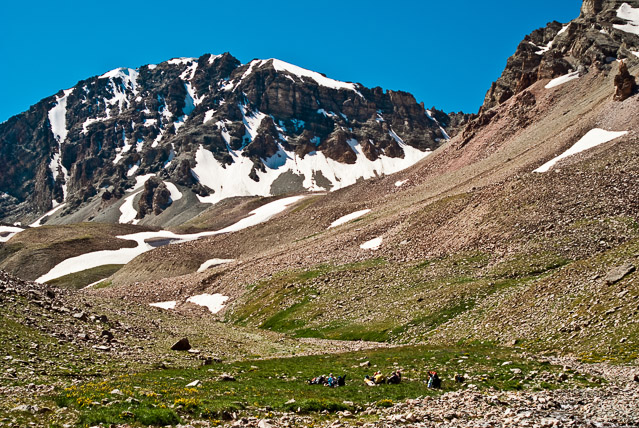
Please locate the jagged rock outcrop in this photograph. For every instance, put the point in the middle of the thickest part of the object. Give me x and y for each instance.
(625, 83)
(154, 199)
(602, 34)
(202, 124)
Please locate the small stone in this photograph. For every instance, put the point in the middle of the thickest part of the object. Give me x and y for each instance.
(193, 384)
(81, 316)
(365, 364)
(263, 423)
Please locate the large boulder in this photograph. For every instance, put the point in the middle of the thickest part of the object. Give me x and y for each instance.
(181, 345)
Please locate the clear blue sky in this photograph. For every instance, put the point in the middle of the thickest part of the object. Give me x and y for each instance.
(445, 53)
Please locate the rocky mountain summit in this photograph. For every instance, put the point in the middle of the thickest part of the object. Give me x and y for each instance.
(210, 127)
(605, 31)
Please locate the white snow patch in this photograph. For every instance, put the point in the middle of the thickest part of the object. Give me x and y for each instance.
(233, 180)
(214, 302)
(164, 305)
(58, 120)
(58, 117)
(563, 29)
(90, 121)
(120, 151)
(175, 193)
(212, 58)
(131, 172)
(631, 15)
(262, 214)
(302, 72)
(209, 115)
(592, 139)
(129, 213)
(562, 79)
(93, 284)
(400, 183)
(100, 258)
(171, 156)
(252, 121)
(125, 255)
(140, 180)
(543, 49)
(127, 209)
(10, 231)
(128, 82)
(349, 217)
(441, 128)
(213, 262)
(190, 100)
(373, 244)
(38, 222)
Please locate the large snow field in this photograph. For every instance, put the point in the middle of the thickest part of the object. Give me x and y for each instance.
(234, 180)
(592, 139)
(125, 255)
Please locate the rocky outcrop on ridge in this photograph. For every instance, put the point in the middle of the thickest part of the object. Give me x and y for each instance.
(603, 33)
(625, 83)
(201, 123)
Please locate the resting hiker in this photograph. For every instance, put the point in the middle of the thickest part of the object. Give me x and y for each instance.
(331, 381)
(319, 380)
(379, 378)
(433, 380)
(341, 380)
(395, 377)
(368, 381)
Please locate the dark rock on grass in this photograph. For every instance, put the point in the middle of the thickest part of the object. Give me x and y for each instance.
(225, 377)
(619, 273)
(181, 345)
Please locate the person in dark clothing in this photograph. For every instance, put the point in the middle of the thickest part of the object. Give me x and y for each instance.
(433, 380)
(395, 377)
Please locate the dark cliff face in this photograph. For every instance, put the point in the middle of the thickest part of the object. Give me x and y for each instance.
(96, 138)
(592, 40)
